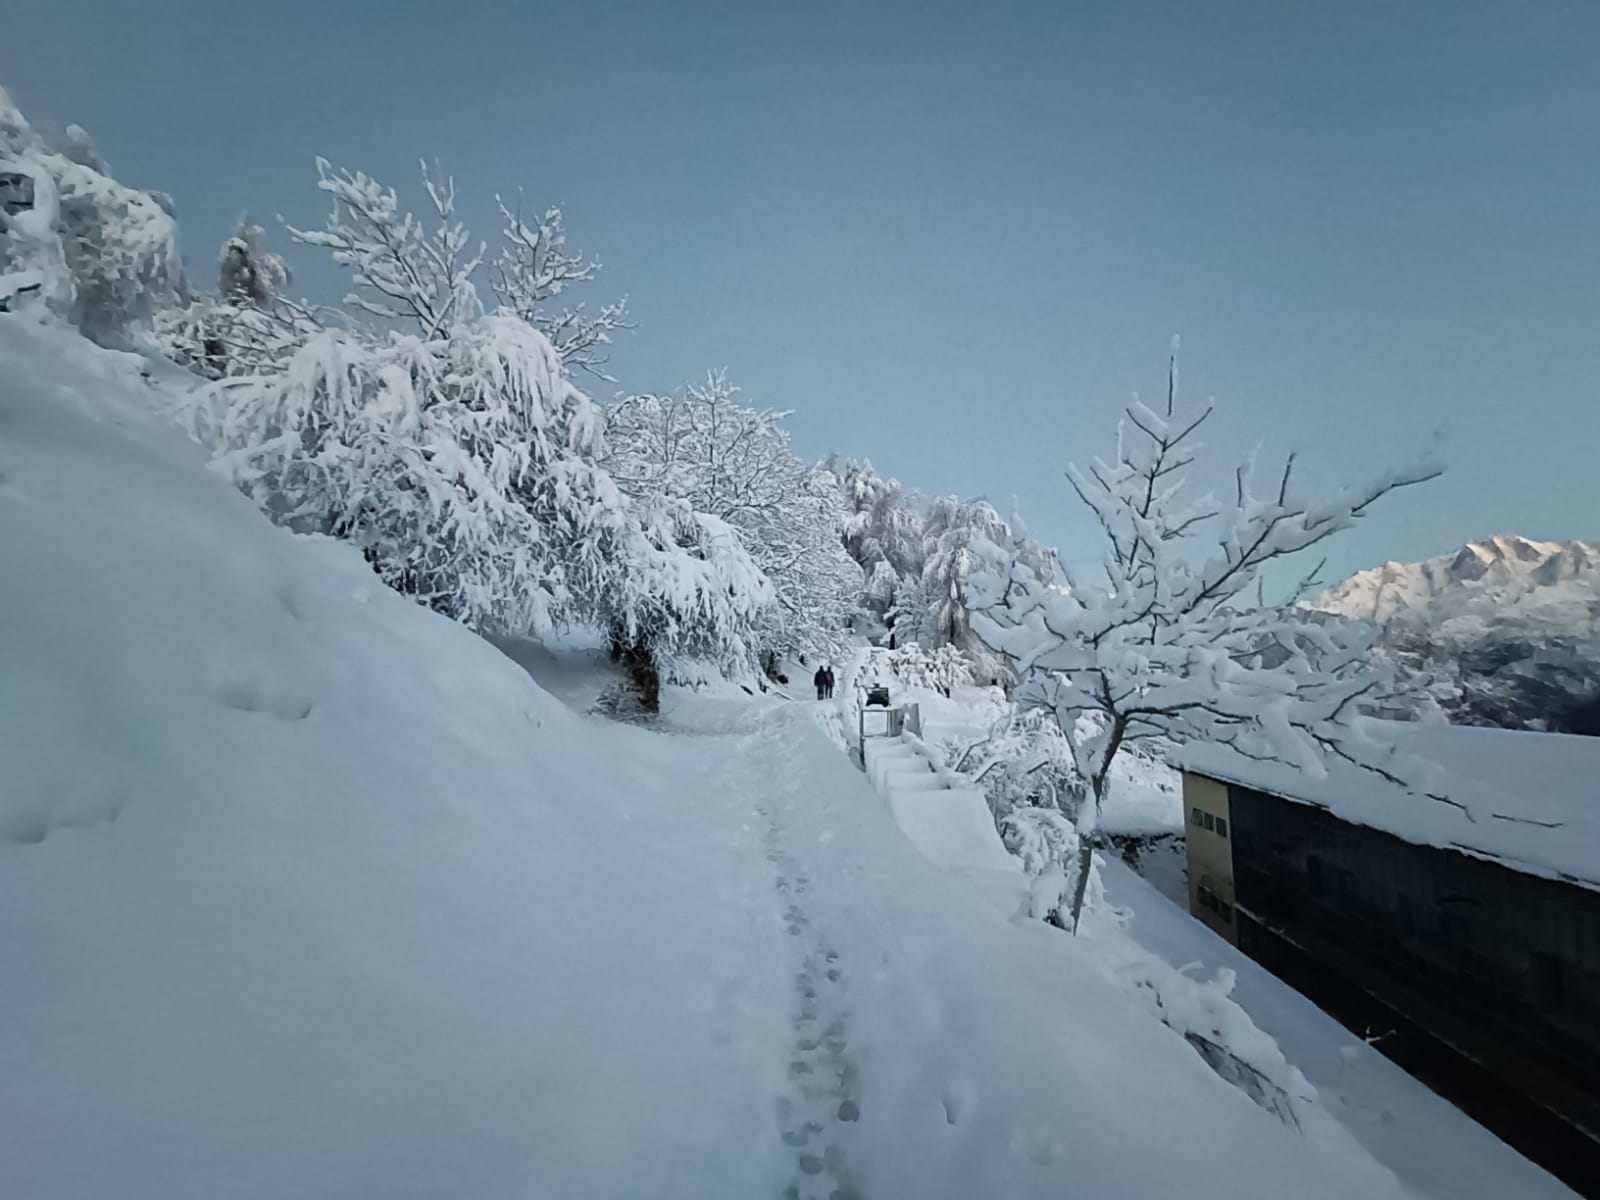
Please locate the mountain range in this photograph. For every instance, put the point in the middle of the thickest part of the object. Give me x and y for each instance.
(1505, 631)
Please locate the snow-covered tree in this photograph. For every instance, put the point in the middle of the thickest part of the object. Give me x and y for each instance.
(534, 269)
(1169, 648)
(449, 444)
(246, 271)
(453, 447)
(248, 327)
(103, 255)
(957, 535)
(955, 532)
(884, 535)
(461, 464)
(734, 463)
(684, 594)
(405, 274)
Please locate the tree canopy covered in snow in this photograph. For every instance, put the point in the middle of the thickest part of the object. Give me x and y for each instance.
(733, 462)
(884, 534)
(102, 255)
(1168, 648)
(533, 271)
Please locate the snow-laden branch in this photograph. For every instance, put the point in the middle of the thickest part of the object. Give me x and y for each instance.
(1164, 650)
(534, 268)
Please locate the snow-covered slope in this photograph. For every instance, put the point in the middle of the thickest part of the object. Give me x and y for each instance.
(1508, 627)
(306, 891)
(1435, 1148)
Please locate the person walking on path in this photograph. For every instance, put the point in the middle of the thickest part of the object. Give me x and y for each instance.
(828, 686)
(820, 679)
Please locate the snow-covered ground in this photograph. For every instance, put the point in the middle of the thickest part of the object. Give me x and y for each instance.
(1435, 1148)
(306, 891)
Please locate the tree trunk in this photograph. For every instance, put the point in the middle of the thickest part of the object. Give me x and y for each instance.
(1080, 886)
(1088, 841)
(637, 660)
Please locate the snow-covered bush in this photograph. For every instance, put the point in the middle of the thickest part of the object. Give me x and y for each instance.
(942, 669)
(1168, 648)
(1024, 761)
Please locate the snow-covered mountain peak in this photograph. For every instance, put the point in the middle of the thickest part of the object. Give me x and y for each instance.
(1506, 630)
(1498, 572)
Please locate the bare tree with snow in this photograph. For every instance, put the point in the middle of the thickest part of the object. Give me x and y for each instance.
(1168, 649)
(532, 273)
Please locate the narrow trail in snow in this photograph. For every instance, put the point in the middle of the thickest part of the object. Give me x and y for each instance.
(819, 1113)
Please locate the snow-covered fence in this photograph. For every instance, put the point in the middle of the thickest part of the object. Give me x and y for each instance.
(897, 721)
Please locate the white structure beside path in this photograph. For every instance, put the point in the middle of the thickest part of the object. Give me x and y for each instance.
(947, 821)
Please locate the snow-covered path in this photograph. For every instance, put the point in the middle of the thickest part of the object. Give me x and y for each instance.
(932, 1046)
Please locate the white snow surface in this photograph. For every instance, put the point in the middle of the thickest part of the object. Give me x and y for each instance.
(1518, 797)
(306, 891)
(1436, 1149)
(950, 824)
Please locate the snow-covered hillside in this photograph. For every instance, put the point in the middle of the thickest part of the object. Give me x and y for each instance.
(1508, 628)
(306, 891)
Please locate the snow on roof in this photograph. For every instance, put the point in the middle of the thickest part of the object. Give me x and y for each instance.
(1530, 801)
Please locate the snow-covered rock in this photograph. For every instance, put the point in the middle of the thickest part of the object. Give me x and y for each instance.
(1507, 628)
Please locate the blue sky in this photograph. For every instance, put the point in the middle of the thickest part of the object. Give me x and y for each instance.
(954, 239)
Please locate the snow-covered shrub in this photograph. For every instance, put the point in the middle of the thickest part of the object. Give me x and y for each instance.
(1024, 761)
(1222, 1033)
(942, 669)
